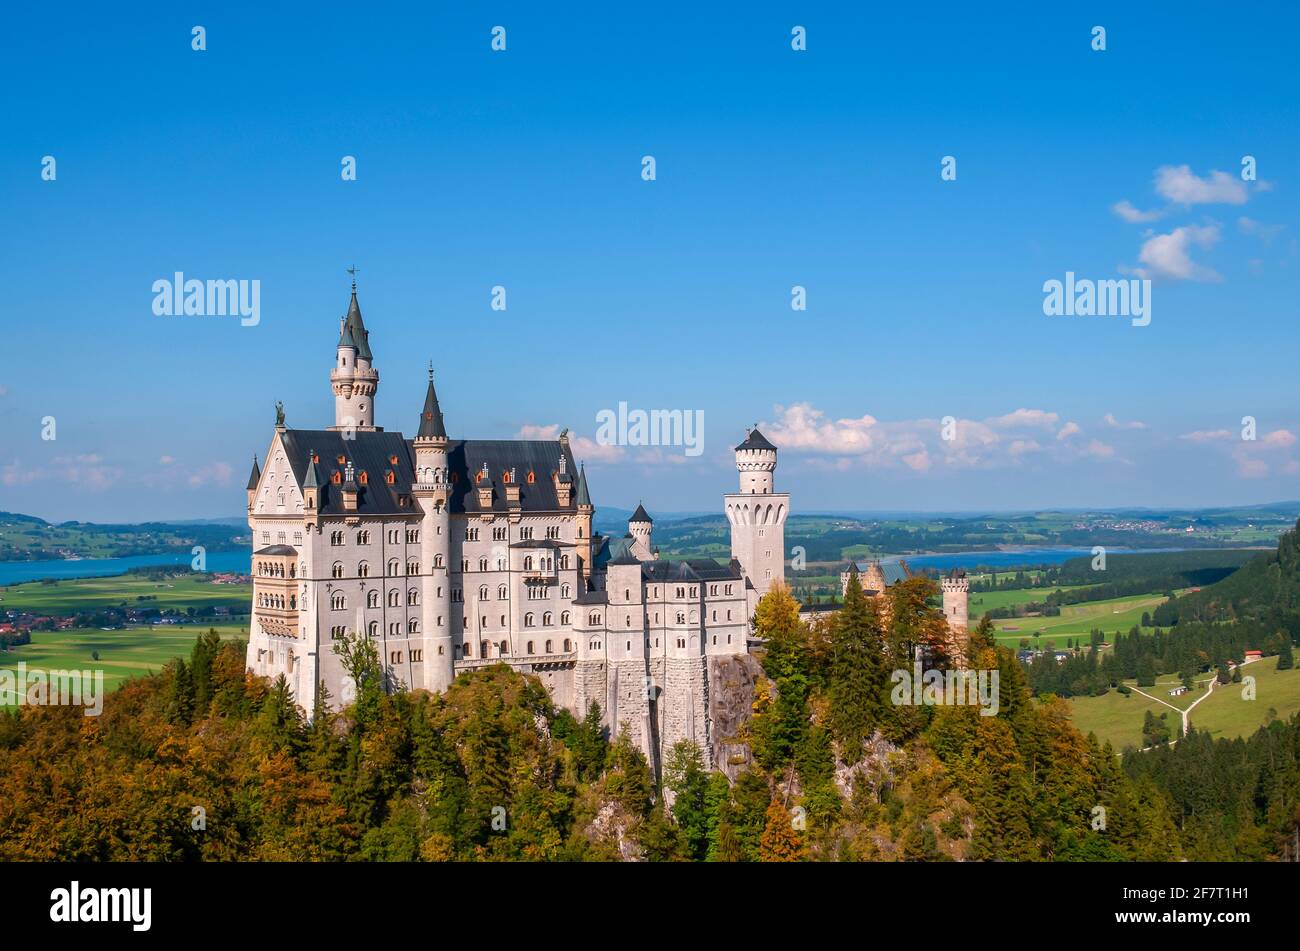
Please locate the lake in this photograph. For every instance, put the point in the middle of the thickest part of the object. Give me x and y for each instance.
(1010, 559)
(13, 572)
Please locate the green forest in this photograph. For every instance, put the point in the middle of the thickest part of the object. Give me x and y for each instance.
(204, 762)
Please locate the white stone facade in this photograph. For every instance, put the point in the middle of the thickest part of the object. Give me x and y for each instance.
(451, 555)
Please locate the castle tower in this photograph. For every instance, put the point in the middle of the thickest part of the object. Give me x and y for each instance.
(583, 527)
(432, 491)
(353, 379)
(640, 526)
(254, 480)
(757, 515)
(956, 591)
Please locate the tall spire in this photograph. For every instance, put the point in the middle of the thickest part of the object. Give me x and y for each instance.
(311, 480)
(431, 425)
(255, 477)
(353, 332)
(584, 497)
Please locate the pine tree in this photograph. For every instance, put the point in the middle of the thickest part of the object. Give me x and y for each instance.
(1285, 658)
(780, 842)
(856, 675)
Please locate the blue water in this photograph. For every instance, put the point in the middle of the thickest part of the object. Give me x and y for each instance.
(1009, 559)
(13, 572)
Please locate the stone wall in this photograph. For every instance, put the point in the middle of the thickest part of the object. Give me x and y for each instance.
(731, 702)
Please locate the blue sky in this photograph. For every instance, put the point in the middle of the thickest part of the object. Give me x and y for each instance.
(774, 168)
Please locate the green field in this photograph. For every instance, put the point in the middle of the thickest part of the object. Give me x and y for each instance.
(1077, 620)
(86, 594)
(122, 654)
(1224, 713)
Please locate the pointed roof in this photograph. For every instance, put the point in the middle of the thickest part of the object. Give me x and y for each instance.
(354, 332)
(255, 477)
(431, 425)
(755, 440)
(312, 479)
(640, 515)
(584, 497)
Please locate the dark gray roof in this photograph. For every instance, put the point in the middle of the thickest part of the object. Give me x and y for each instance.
(584, 497)
(372, 453)
(640, 515)
(277, 550)
(431, 425)
(256, 475)
(755, 440)
(695, 569)
(354, 330)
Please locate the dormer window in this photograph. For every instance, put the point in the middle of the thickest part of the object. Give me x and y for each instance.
(532, 477)
(342, 459)
(390, 478)
(393, 459)
(336, 477)
(363, 478)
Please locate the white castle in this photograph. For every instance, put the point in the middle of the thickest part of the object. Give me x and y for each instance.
(451, 554)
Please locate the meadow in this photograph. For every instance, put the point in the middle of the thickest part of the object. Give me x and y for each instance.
(131, 590)
(1224, 713)
(123, 654)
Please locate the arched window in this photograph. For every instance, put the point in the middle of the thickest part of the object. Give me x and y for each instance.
(392, 567)
(564, 591)
(503, 649)
(548, 647)
(530, 647)
(528, 619)
(528, 563)
(547, 619)
(413, 596)
(412, 626)
(393, 598)
(482, 564)
(482, 592)
(373, 629)
(593, 619)
(372, 599)
(564, 617)
(437, 561)
(501, 592)
(363, 570)
(568, 645)
(337, 570)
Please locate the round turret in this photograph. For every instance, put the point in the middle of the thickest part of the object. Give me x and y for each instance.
(756, 463)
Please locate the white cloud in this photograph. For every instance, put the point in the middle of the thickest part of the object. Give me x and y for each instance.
(1167, 256)
(1265, 233)
(1278, 439)
(1114, 423)
(1099, 449)
(919, 444)
(1207, 435)
(1178, 183)
(584, 449)
(1132, 215)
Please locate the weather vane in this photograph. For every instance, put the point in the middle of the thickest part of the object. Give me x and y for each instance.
(353, 271)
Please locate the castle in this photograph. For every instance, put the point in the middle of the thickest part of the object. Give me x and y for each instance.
(452, 554)
(878, 577)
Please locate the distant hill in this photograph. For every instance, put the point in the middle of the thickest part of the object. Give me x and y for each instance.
(1264, 589)
(27, 538)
